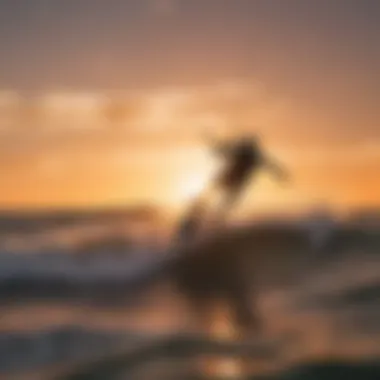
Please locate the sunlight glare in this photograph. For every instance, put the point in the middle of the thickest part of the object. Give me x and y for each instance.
(191, 187)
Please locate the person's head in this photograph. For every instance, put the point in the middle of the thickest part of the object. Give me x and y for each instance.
(249, 140)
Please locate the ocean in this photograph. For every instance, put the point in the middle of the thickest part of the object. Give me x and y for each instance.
(64, 301)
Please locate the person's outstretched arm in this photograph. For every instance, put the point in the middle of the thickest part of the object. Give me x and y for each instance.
(278, 170)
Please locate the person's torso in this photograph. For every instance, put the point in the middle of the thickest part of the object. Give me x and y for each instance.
(245, 158)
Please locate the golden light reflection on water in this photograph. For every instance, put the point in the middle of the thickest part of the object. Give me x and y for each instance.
(223, 329)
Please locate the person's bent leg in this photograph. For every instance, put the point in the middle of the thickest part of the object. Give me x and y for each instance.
(227, 203)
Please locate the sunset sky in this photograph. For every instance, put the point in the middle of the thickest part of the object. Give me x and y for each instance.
(105, 101)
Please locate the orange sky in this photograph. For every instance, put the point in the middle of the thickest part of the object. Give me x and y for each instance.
(106, 103)
(77, 150)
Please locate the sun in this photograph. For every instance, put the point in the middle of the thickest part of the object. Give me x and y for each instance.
(191, 186)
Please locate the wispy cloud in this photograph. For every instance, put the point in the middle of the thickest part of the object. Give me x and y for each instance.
(161, 111)
(110, 122)
(72, 110)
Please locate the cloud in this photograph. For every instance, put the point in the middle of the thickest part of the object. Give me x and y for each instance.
(86, 120)
(72, 110)
(222, 107)
(234, 103)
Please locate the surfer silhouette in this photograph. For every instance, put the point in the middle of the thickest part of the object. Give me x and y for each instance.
(242, 159)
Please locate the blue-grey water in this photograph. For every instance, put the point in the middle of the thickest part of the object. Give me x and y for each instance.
(63, 301)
